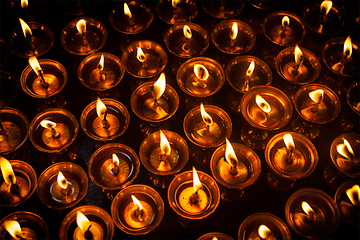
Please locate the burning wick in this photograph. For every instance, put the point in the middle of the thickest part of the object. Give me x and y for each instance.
(353, 194)
(27, 33)
(84, 223)
(50, 125)
(24, 3)
(115, 164)
(63, 183)
(345, 150)
(284, 23)
(139, 213)
(101, 68)
(201, 74)
(165, 147)
(177, 10)
(206, 118)
(230, 157)
(14, 229)
(102, 110)
(325, 8)
(7, 170)
(290, 147)
(317, 96)
(81, 27)
(233, 34)
(128, 14)
(37, 69)
(299, 59)
(249, 73)
(347, 55)
(264, 232)
(263, 106)
(140, 55)
(157, 90)
(196, 186)
(310, 214)
(188, 35)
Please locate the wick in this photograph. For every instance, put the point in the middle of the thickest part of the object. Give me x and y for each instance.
(233, 169)
(85, 41)
(29, 37)
(155, 105)
(88, 234)
(322, 14)
(283, 29)
(247, 82)
(186, 46)
(43, 82)
(139, 214)
(309, 217)
(14, 187)
(115, 169)
(101, 77)
(163, 157)
(290, 152)
(296, 68)
(316, 105)
(54, 133)
(105, 124)
(65, 191)
(131, 21)
(194, 198)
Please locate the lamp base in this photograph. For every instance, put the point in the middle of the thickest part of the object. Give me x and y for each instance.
(228, 194)
(22, 153)
(57, 101)
(255, 138)
(279, 183)
(333, 177)
(161, 181)
(305, 128)
(69, 154)
(191, 223)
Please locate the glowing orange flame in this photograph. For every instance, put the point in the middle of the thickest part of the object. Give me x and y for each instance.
(164, 144)
(352, 193)
(47, 124)
(140, 55)
(317, 95)
(298, 54)
(214, 238)
(264, 231)
(82, 221)
(25, 28)
(306, 208)
(285, 21)
(7, 171)
(250, 70)
(345, 149)
(205, 116)
(127, 10)
(230, 153)
(62, 181)
(174, 3)
(101, 62)
(24, 3)
(288, 140)
(100, 108)
(348, 46)
(159, 86)
(115, 159)
(137, 202)
(327, 5)
(234, 31)
(201, 72)
(196, 181)
(35, 65)
(187, 31)
(262, 104)
(13, 228)
(81, 26)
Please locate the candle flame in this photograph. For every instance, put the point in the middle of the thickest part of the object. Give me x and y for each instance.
(205, 116)
(81, 26)
(101, 62)
(159, 86)
(353, 194)
(137, 202)
(62, 181)
(250, 70)
(174, 3)
(140, 55)
(306, 208)
(326, 5)
(289, 142)
(82, 221)
(47, 124)
(348, 46)
(262, 104)
(285, 21)
(25, 28)
(35, 65)
(24, 3)
(115, 159)
(100, 108)
(345, 149)
(187, 31)
(196, 181)
(13, 228)
(7, 171)
(298, 54)
(201, 72)
(127, 10)
(164, 144)
(234, 31)
(230, 153)
(214, 238)
(264, 231)
(317, 95)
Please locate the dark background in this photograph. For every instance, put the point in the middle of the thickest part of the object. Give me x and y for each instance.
(229, 215)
